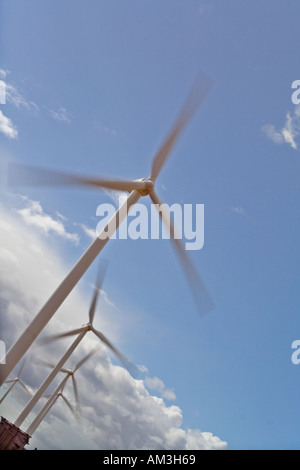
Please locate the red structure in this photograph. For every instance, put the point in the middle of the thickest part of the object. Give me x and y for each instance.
(12, 437)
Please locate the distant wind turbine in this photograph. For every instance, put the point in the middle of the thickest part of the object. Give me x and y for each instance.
(14, 381)
(80, 333)
(20, 175)
(58, 392)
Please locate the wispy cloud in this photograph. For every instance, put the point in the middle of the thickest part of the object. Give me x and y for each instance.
(156, 384)
(60, 115)
(90, 232)
(35, 216)
(11, 95)
(14, 97)
(288, 133)
(272, 134)
(3, 73)
(7, 127)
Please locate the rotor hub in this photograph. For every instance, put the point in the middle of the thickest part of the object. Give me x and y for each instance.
(149, 185)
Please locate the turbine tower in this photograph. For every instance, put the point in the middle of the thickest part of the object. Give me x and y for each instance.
(58, 392)
(19, 175)
(80, 332)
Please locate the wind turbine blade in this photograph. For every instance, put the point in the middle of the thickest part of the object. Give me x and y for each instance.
(47, 364)
(65, 371)
(75, 388)
(24, 386)
(69, 405)
(197, 94)
(49, 339)
(202, 298)
(93, 305)
(20, 175)
(129, 366)
(10, 381)
(43, 362)
(100, 277)
(80, 363)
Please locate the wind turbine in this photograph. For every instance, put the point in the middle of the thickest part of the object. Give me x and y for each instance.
(58, 392)
(14, 381)
(19, 175)
(31, 429)
(80, 334)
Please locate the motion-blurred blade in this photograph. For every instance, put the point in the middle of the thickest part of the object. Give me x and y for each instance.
(22, 175)
(199, 91)
(80, 363)
(25, 387)
(65, 371)
(100, 277)
(69, 405)
(202, 298)
(43, 362)
(75, 388)
(49, 339)
(129, 366)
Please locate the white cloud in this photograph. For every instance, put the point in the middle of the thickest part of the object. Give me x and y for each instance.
(272, 134)
(154, 383)
(289, 132)
(10, 95)
(118, 410)
(90, 232)
(14, 97)
(60, 115)
(34, 215)
(7, 127)
(17, 99)
(3, 73)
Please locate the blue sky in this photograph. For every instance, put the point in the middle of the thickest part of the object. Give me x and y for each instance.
(94, 87)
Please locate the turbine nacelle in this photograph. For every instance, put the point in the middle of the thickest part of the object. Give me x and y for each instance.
(149, 186)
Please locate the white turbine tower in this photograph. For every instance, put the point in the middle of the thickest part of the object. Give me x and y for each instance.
(80, 334)
(31, 429)
(19, 175)
(14, 381)
(58, 392)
